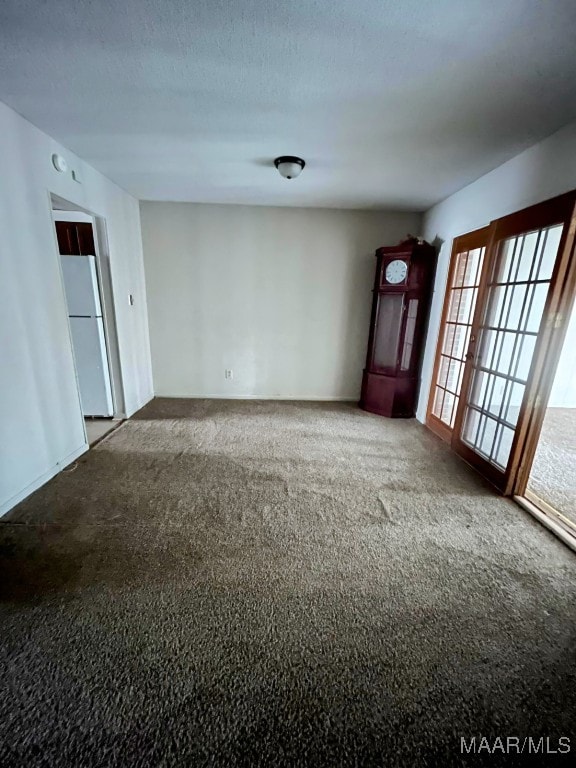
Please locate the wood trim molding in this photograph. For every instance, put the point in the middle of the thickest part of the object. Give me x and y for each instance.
(546, 356)
(467, 242)
(559, 210)
(548, 519)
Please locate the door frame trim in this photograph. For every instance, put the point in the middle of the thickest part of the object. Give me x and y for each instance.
(547, 519)
(549, 348)
(478, 238)
(557, 210)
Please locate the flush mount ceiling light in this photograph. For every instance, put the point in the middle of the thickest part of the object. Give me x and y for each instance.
(288, 166)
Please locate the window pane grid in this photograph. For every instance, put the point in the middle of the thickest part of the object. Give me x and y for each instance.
(462, 294)
(483, 423)
(450, 392)
(520, 282)
(509, 388)
(509, 330)
(504, 376)
(515, 303)
(493, 417)
(449, 357)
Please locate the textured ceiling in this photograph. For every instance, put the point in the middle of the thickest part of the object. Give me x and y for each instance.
(392, 103)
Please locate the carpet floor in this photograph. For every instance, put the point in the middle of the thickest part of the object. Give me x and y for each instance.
(226, 583)
(553, 476)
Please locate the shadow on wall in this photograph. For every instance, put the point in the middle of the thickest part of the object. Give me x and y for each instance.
(356, 318)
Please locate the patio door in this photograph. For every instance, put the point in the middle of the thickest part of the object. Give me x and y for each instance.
(514, 314)
(468, 253)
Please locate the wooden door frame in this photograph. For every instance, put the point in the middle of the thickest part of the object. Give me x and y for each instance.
(478, 238)
(558, 210)
(557, 315)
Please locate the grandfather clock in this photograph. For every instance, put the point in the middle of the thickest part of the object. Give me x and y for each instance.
(401, 297)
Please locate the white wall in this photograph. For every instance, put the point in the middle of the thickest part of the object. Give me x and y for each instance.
(540, 172)
(40, 419)
(279, 295)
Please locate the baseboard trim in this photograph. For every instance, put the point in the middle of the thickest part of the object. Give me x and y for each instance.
(547, 521)
(279, 398)
(128, 412)
(6, 506)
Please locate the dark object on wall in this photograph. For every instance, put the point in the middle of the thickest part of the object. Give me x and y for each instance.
(75, 238)
(401, 298)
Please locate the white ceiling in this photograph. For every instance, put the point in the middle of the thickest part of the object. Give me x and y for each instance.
(392, 103)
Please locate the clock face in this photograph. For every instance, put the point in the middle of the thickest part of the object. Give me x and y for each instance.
(396, 272)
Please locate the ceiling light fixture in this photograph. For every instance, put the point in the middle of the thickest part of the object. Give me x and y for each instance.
(59, 163)
(288, 166)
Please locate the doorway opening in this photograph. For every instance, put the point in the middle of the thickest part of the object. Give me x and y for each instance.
(83, 253)
(552, 481)
(495, 395)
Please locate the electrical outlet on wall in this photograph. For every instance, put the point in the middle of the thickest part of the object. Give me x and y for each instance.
(228, 373)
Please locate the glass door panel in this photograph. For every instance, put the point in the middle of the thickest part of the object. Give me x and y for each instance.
(503, 343)
(460, 301)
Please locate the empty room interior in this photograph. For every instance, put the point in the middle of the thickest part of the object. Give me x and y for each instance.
(287, 383)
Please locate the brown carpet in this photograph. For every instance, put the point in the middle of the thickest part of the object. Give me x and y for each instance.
(226, 583)
(553, 475)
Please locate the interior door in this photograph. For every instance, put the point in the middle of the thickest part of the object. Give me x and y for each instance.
(516, 289)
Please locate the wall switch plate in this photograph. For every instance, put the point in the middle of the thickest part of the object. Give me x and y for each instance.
(228, 373)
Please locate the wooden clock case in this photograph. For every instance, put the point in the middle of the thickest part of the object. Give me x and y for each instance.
(397, 329)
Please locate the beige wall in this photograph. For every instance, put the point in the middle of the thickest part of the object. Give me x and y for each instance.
(279, 295)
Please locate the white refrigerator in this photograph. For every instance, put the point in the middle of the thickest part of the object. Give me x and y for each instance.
(85, 312)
